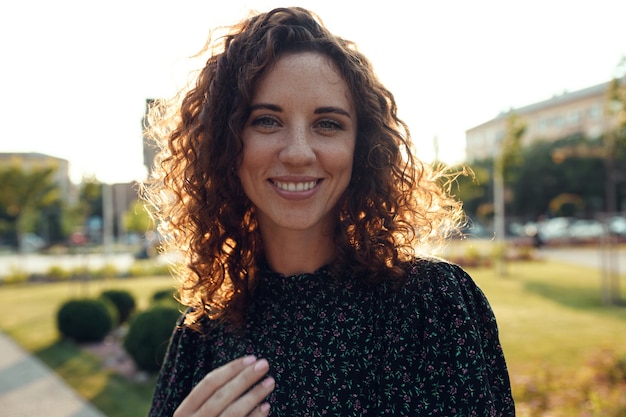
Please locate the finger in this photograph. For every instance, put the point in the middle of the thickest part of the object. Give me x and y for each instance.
(231, 395)
(250, 403)
(211, 383)
(262, 410)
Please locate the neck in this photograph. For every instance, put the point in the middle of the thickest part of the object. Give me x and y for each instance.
(298, 252)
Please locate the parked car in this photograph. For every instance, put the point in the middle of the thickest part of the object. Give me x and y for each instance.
(585, 231)
(555, 230)
(617, 225)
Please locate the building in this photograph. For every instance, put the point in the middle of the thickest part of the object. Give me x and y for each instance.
(31, 160)
(579, 112)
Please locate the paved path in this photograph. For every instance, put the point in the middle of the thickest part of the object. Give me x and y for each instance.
(601, 258)
(28, 388)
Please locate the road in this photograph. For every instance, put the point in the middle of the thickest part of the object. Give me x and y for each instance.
(594, 257)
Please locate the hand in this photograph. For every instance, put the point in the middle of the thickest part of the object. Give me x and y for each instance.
(226, 391)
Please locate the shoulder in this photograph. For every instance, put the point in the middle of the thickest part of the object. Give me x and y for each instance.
(437, 283)
(189, 336)
(435, 273)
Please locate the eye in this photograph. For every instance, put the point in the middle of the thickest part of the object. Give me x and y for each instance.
(266, 122)
(329, 124)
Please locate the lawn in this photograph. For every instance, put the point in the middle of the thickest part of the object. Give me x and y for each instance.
(552, 326)
(28, 314)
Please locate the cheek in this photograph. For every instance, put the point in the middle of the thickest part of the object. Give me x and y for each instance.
(342, 160)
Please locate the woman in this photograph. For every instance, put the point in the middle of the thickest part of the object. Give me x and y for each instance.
(289, 184)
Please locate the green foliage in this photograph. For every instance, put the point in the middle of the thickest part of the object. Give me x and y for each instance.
(22, 195)
(16, 275)
(511, 156)
(123, 301)
(58, 273)
(137, 219)
(107, 271)
(90, 196)
(475, 190)
(163, 295)
(558, 168)
(167, 297)
(148, 336)
(594, 389)
(85, 320)
(573, 165)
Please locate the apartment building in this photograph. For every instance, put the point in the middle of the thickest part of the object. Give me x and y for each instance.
(581, 111)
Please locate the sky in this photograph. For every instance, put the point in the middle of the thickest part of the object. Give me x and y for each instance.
(74, 75)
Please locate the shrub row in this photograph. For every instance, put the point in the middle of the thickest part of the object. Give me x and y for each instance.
(57, 273)
(93, 319)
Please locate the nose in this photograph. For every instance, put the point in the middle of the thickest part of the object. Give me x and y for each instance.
(298, 147)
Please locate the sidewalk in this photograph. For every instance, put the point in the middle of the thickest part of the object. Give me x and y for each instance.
(28, 388)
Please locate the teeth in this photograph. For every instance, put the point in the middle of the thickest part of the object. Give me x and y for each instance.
(295, 186)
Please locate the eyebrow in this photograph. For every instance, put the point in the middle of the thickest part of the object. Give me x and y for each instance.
(320, 110)
(338, 110)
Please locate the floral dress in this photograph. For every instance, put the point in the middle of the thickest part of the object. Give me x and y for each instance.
(337, 348)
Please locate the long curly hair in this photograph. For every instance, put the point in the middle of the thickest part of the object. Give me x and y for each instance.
(393, 204)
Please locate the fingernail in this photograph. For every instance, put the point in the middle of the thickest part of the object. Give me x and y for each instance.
(264, 408)
(268, 382)
(249, 360)
(260, 365)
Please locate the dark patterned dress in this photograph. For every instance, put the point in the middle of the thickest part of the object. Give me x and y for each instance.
(429, 348)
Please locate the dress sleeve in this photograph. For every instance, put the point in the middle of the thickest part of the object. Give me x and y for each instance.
(456, 356)
(175, 377)
(483, 324)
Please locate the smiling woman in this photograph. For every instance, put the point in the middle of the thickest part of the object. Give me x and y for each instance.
(297, 157)
(289, 183)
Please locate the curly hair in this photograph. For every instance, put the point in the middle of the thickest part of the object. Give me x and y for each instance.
(393, 204)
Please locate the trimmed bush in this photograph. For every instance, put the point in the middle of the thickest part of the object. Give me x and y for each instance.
(148, 336)
(123, 301)
(167, 297)
(85, 320)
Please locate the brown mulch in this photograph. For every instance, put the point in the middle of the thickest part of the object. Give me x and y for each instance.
(113, 357)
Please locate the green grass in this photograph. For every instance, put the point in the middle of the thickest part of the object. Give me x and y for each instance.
(550, 315)
(551, 312)
(28, 314)
(554, 331)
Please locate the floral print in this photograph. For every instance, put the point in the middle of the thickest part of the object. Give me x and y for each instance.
(339, 348)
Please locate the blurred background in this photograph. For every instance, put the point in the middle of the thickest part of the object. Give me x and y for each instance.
(529, 100)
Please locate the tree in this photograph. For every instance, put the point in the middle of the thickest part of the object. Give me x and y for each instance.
(90, 197)
(474, 189)
(137, 219)
(572, 165)
(504, 164)
(22, 195)
(91, 207)
(615, 143)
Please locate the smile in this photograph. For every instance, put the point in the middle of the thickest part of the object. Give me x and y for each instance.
(295, 186)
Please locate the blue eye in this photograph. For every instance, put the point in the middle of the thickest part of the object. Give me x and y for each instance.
(265, 121)
(330, 125)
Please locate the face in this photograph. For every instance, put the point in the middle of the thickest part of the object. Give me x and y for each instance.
(298, 144)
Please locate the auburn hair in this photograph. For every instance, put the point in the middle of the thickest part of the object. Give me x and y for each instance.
(393, 204)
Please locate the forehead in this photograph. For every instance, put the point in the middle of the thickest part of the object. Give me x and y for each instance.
(305, 74)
